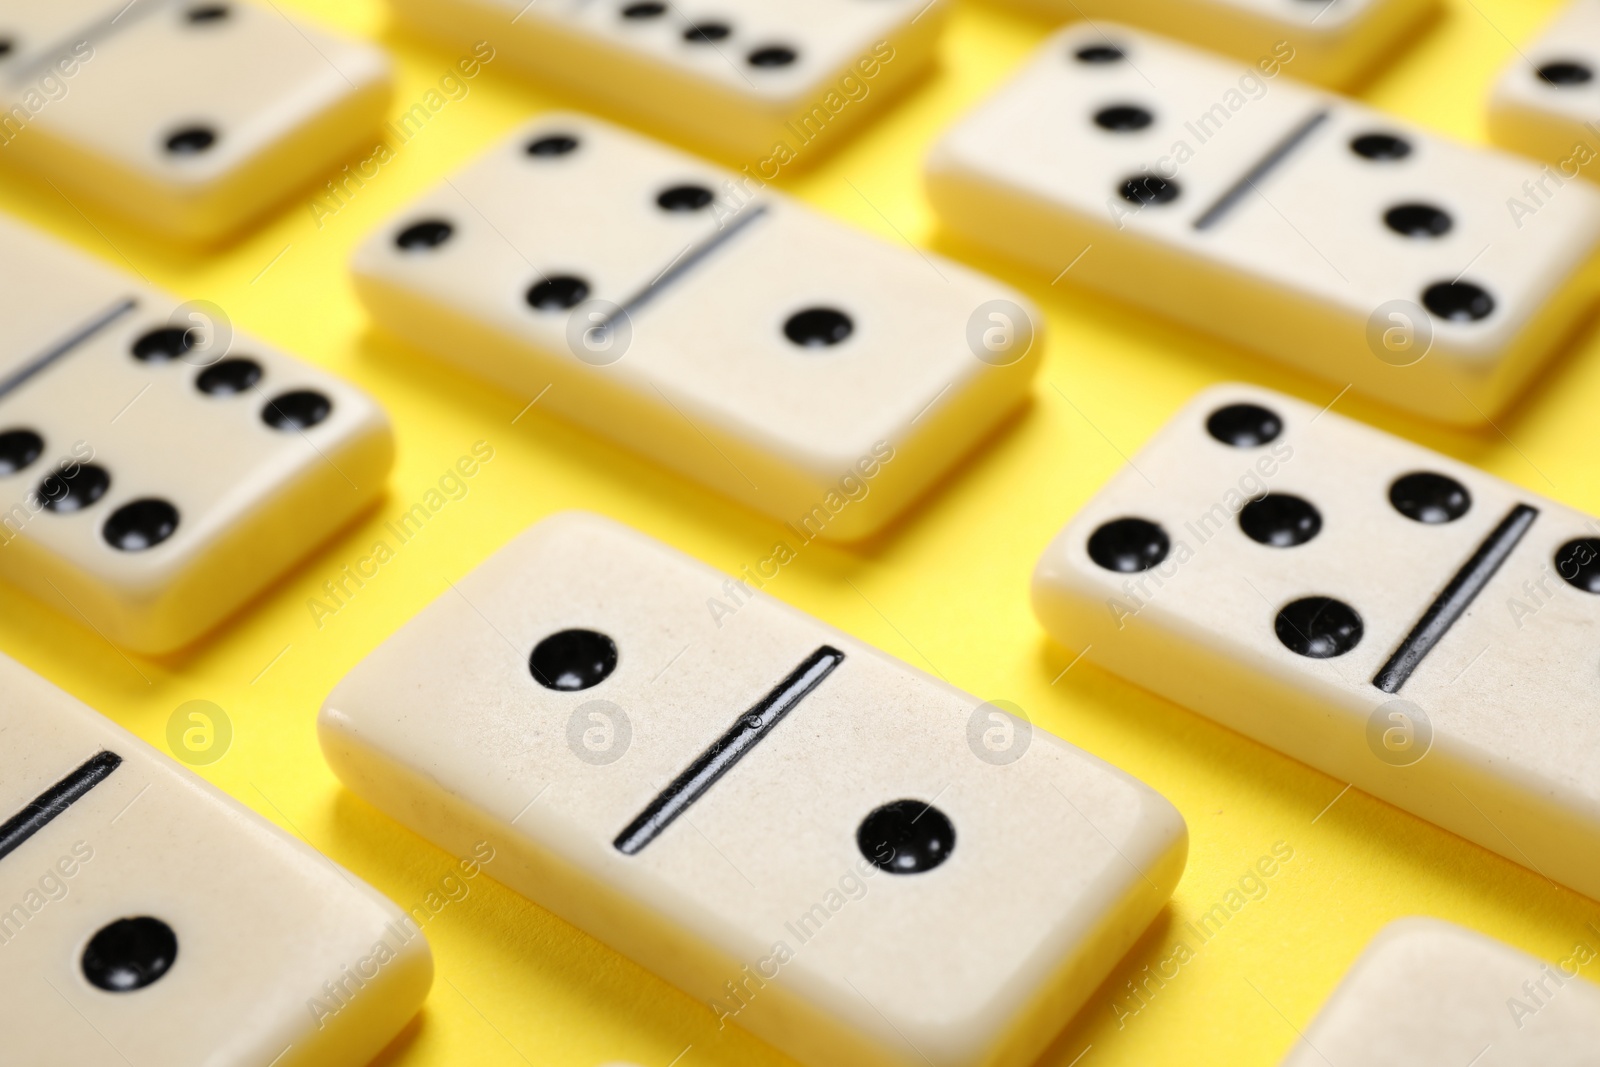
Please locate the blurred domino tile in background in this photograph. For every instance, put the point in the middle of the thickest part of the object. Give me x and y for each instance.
(757, 82)
(191, 118)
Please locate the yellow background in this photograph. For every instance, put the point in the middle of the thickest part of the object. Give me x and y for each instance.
(946, 590)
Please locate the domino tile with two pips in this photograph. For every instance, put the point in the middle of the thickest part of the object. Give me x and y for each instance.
(853, 860)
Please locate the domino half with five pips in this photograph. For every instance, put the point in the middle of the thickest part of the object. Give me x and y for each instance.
(816, 373)
(189, 117)
(146, 918)
(157, 468)
(1340, 240)
(1392, 617)
(1427, 993)
(853, 860)
(761, 83)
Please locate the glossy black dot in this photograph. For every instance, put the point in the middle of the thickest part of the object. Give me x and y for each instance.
(1099, 53)
(555, 144)
(1578, 562)
(1129, 545)
(298, 410)
(1430, 498)
(229, 377)
(1458, 301)
(1244, 425)
(206, 13)
(7, 46)
(1418, 220)
(1280, 520)
(140, 524)
(1380, 147)
(558, 292)
(1150, 189)
(684, 198)
(906, 837)
(130, 954)
(421, 236)
(64, 493)
(773, 55)
(191, 140)
(648, 10)
(18, 450)
(818, 327)
(573, 659)
(1566, 74)
(160, 346)
(1319, 627)
(706, 32)
(1123, 118)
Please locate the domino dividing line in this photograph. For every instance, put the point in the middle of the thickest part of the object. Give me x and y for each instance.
(749, 731)
(685, 263)
(53, 801)
(1457, 597)
(1254, 176)
(20, 377)
(126, 13)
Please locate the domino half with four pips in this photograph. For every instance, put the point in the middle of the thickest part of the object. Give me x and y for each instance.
(1340, 240)
(818, 374)
(855, 861)
(190, 117)
(763, 83)
(146, 918)
(1392, 617)
(157, 469)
